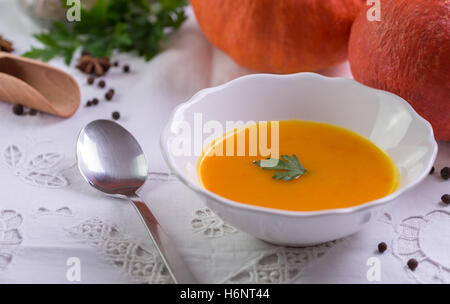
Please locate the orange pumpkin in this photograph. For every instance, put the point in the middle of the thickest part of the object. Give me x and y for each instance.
(408, 53)
(279, 36)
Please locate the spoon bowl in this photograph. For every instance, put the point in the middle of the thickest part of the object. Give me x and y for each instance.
(118, 165)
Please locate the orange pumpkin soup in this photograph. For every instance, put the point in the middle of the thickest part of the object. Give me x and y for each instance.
(343, 169)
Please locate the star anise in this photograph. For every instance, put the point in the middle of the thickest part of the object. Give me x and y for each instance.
(90, 65)
(5, 45)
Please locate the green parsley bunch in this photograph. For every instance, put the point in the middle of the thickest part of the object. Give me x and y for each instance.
(113, 25)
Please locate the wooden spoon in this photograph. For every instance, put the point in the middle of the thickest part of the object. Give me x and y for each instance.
(38, 86)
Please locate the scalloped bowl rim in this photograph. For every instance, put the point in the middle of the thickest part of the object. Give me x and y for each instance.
(347, 210)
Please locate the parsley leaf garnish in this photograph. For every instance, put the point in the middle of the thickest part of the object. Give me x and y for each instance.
(113, 25)
(289, 165)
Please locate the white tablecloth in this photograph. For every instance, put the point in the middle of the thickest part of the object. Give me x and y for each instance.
(48, 214)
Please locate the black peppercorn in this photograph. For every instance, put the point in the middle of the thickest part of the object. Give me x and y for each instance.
(412, 264)
(91, 80)
(382, 247)
(109, 95)
(445, 173)
(446, 199)
(116, 63)
(116, 115)
(89, 103)
(18, 109)
(32, 112)
(126, 68)
(95, 101)
(102, 84)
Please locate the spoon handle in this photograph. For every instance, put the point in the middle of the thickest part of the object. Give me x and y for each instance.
(175, 264)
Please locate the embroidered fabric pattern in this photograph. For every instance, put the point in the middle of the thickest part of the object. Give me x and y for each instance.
(37, 171)
(43, 211)
(209, 224)
(427, 239)
(122, 251)
(282, 265)
(10, 236)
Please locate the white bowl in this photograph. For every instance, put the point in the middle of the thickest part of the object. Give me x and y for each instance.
(384, 118)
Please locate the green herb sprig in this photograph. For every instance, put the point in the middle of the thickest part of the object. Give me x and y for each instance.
(289, 165)
(113, 25)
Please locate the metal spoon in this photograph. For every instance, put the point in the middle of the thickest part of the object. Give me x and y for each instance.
(111, 160)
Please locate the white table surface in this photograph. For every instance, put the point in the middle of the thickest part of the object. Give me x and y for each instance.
(49, 218)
